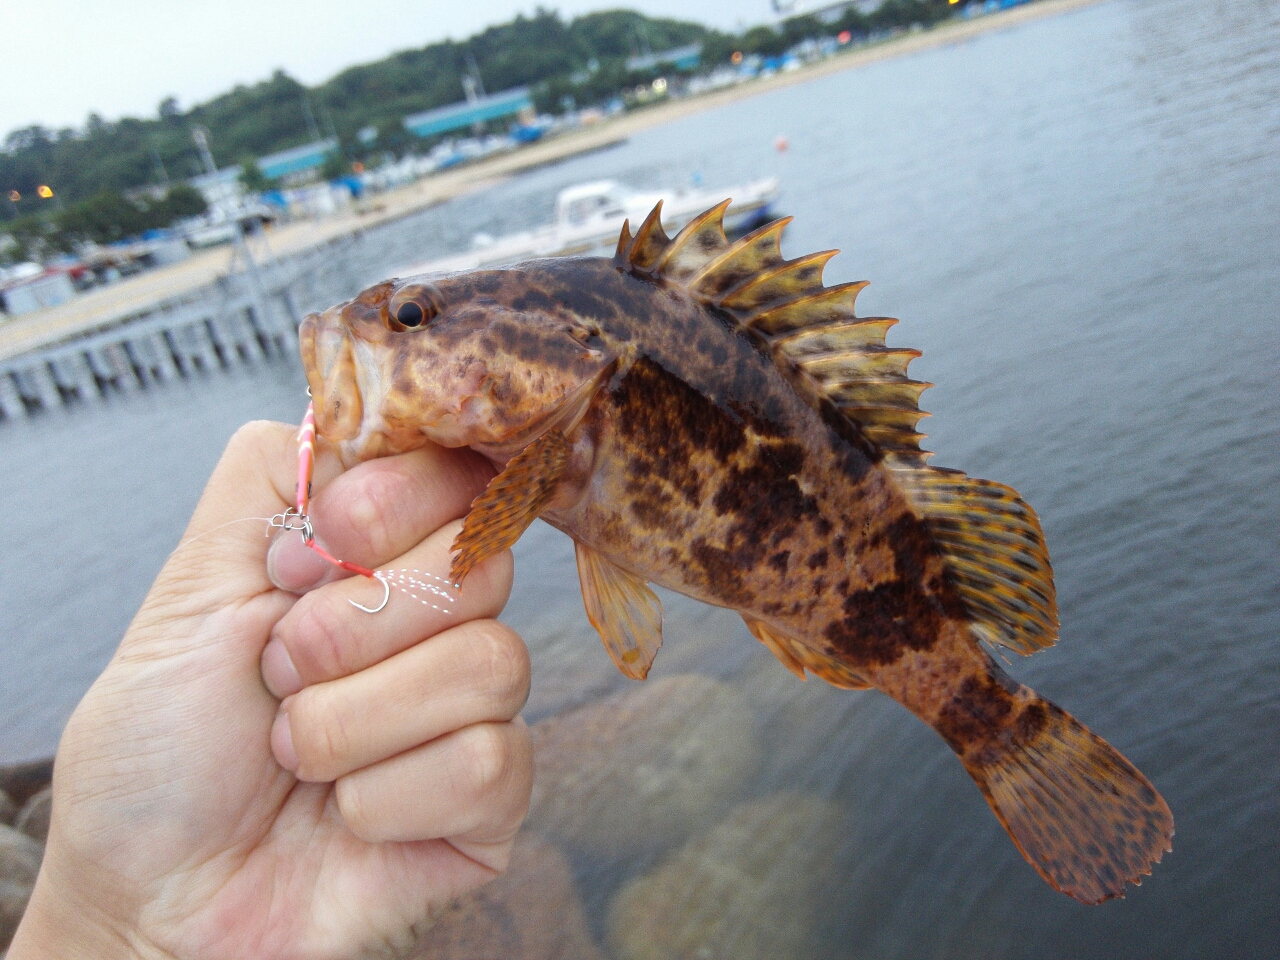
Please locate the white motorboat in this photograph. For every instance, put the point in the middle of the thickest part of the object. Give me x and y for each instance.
(589, 216)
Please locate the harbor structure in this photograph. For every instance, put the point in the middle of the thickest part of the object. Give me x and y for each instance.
(30, 293)
(682, 58)
(220, 188)
(470, 112)
(249, 315)
(298, 160)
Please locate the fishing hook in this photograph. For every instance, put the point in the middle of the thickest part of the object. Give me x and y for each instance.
(386, 595)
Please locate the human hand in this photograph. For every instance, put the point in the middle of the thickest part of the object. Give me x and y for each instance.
(195, 815)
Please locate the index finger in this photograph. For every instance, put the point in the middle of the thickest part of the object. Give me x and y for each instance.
(379, 510)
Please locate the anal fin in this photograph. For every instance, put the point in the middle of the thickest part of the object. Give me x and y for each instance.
(778, 646)
(624, 611)
(798, 657)
(511, 502)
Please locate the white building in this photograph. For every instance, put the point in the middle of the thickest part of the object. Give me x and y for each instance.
(221, 190)
(36, 293)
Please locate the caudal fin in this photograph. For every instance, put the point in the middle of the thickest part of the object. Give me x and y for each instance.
(1081, 814)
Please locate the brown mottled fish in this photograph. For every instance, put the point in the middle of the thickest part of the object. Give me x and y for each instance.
(709, 417)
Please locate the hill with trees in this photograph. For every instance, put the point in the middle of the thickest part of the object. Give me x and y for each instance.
(108, 164)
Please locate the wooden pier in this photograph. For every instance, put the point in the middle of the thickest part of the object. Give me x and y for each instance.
(240, 318)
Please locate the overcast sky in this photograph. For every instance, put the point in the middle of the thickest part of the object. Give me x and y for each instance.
(62, 59)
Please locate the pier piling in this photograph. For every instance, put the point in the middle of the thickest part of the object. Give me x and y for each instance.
(10, 400)
(237, 320)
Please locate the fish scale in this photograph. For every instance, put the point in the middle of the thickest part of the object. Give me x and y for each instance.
(710, 417)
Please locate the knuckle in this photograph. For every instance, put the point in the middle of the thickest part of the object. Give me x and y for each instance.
(503, 663)
(489, 758)
(258, 437)
(253, 445)
(493, 579)
(321, 736)
(321, 648)
(334, 740)
(372, 512)
(353, 805)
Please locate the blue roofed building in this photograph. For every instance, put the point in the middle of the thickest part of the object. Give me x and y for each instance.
(682, 58)
(458, 116)
(301, 159)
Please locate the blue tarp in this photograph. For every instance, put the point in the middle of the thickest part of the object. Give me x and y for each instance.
(353, 184)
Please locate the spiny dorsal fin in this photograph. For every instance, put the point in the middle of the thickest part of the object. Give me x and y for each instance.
(624, 242)
(994, 552)
(810, 315)
(990, 539)
(754, 253)
(701, 239)
(810, 326)
(650, 243)
(791, 278)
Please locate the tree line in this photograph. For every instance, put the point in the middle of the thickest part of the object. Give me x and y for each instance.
(583, 61)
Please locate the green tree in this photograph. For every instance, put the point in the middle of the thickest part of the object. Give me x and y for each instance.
(542, 50)
(180, 202)
(252, 177)
(335, 166)
(765, 41)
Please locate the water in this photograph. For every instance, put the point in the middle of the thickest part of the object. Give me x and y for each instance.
(1077, 222)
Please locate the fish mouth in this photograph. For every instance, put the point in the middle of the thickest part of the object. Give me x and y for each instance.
(346, 386)
(329, 360)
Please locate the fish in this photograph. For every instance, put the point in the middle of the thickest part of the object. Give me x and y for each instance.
(710, 417)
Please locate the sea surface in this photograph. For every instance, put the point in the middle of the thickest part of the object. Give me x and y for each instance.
(1078, 222)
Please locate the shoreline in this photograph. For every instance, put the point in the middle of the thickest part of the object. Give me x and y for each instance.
(107, 306)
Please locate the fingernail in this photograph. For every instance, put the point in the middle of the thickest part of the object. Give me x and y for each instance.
(292, 566)
(278, 672)
(282, 742)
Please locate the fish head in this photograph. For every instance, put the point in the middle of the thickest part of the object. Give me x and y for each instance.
(486, 360)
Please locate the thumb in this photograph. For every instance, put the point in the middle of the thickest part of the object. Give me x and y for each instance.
(222, 552)
(294, 567)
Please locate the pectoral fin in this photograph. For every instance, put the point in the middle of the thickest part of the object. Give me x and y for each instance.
(511, 502)
(798, 657)
(624, 611)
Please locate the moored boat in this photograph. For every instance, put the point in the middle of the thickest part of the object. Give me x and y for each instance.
(589, 216)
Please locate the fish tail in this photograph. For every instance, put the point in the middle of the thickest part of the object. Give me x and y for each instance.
(1082, 815)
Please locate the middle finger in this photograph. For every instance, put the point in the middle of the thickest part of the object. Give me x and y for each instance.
(323, 637)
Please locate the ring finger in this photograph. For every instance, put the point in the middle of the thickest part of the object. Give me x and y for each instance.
(472, 784)
(476, 672)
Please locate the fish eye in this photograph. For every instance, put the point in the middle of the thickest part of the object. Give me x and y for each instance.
(410, 314)
(412, 307)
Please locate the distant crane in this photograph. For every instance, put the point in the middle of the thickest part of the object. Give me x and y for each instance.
(472, 83)
(473, 89)
(257, 291)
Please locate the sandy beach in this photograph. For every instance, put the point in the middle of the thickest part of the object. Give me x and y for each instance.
(106, 306)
